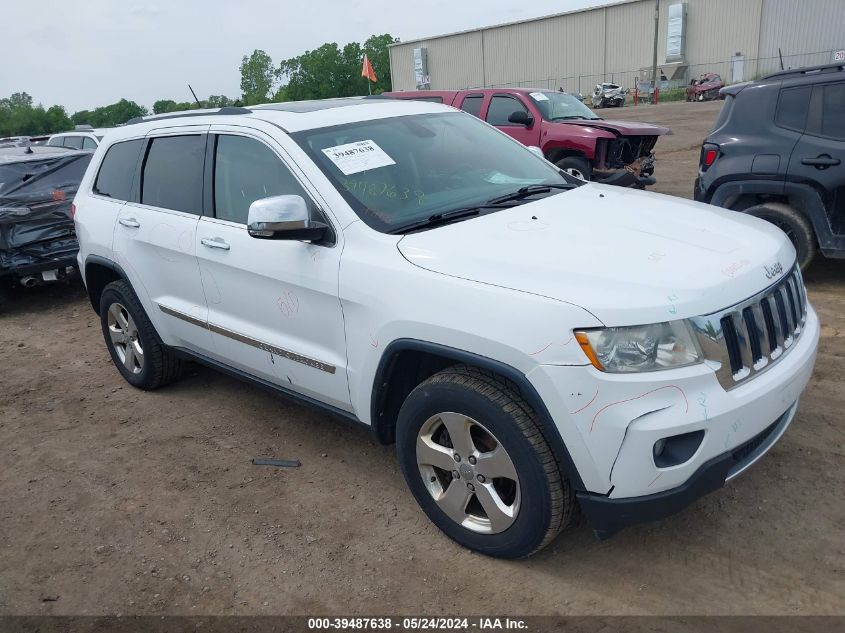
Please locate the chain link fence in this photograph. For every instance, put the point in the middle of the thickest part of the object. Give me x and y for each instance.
(731, 71)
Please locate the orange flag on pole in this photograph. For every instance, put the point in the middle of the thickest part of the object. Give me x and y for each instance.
(367, 71)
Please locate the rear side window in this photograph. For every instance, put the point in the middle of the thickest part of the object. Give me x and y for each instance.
(246, 170)
(73, 141)
(472, 104)
(793, 106)
(55, 142)
(88, 143)
(172, 175)
(118, 170)
(501, 108)
(833, 111)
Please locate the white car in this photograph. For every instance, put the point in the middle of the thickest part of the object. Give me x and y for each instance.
(86, 138)
(531, 342)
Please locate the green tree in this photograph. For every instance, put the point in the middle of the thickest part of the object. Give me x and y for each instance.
(377, 49)
(163, 105)
(81, 118)
(57, 120)
(256, 77)
(112, 115)
(217, 101)
(331, 71)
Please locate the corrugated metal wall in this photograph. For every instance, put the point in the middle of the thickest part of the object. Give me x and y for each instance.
(578, 50)
(807, 31)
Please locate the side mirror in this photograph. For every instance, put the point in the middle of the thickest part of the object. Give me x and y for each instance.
(521, 117)
(283, 218)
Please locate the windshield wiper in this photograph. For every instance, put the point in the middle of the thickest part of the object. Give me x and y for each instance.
(445, 217)
(530, 190)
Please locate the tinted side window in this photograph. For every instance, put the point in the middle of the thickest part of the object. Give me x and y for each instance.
(833, 111)
(501, 108)
(246, 170)
(73, 141)
(793, 105)
(172, 176)
(88, 143)
(118, 170)
(472, 104)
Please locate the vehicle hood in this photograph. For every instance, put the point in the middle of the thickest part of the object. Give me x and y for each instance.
(627, 128)
(627, 256)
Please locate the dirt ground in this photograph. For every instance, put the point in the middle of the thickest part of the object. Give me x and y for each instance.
(117, 501)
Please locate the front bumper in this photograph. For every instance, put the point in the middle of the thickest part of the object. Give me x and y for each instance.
(611, 422)
(607, 516)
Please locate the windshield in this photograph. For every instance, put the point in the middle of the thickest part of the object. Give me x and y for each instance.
(398, 171)
(561, 106)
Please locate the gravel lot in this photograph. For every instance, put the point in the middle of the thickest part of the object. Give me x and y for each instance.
(118, 501)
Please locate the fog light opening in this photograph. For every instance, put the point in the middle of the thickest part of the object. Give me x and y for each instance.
(675, 450)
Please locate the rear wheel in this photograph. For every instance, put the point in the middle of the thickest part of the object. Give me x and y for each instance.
(477, 464)
(575, 166)
(792, 222)
(135, 347)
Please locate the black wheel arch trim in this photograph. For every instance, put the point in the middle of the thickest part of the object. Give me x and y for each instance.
(812, 204)
(381, 428)
(99, 260)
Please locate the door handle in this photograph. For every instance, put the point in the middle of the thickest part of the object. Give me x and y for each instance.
(132, 223)
(821, 162)
(215, 242)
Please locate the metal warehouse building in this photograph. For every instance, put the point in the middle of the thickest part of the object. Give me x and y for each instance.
(739, 39)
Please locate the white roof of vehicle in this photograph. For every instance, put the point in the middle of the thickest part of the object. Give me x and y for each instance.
(291, 116)
(95, 132)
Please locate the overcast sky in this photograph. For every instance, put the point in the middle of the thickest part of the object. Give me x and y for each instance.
(90, 53)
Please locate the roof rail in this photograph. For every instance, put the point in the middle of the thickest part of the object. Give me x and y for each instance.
(228, 110)
(796, 72)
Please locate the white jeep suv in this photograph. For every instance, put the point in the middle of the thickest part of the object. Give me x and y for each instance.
(531, 342)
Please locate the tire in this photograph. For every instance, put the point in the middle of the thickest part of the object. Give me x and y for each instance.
(127, 331)
(490, 417)
(792, 222)
(701, 96)
(575, 166)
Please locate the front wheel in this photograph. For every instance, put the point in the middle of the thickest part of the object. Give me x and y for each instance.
(475, 460)
(575, 166)
(792, 222)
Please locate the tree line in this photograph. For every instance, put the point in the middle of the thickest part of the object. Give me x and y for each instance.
(328, 71)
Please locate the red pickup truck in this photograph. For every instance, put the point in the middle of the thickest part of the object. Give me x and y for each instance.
(568, 132)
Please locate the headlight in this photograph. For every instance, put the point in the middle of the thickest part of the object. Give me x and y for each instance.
(640, 348)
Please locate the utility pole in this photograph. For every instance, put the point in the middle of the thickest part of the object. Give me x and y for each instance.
(654, 60)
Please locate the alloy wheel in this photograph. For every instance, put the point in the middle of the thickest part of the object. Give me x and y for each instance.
(124, 338)
(468, 473)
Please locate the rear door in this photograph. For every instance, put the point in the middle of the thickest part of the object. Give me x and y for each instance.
(274, 309)
(155, 234)
(472, 103)
(819, 156)
(500, 108)
(114, 184)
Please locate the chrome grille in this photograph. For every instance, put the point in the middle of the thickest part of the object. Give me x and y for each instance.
(749, 337)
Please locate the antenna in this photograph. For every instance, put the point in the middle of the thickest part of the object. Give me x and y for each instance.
(195, 95)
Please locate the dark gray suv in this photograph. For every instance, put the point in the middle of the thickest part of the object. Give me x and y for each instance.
(777, 152)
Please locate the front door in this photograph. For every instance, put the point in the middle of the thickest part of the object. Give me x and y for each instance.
(499, 110)
(154, 237)
(274, 310)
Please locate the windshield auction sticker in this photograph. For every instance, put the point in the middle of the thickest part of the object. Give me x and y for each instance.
(359, 156)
